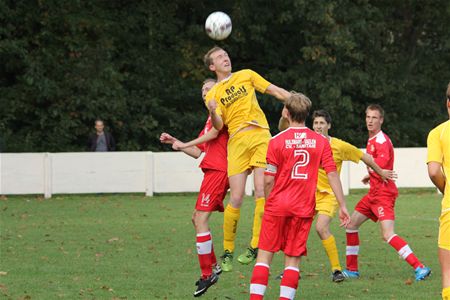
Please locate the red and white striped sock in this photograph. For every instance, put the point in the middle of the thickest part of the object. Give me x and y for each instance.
(404, 251)
(204, 249)
(289, 283)
(352, 249)
(213, 255)
(258, 283)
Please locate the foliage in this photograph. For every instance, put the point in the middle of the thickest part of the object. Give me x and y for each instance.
(138, 65)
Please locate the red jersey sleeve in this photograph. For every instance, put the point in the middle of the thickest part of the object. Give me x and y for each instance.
(326, 160)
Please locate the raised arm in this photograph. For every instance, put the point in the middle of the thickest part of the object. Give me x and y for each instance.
(436, 175)
(193, 151)
(210, 135)
(277, 92)
(384, 173)
(216, 119)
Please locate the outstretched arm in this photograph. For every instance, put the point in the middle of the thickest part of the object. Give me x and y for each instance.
(166, 138)
(384, 173)
(277, 92)
(210, 135)
(436, 175)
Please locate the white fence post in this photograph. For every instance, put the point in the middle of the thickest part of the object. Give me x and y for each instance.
(48, 175)
(149, 174)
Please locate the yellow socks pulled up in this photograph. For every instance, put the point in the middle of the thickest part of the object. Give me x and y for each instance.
(257, 220)
(330, 247)
(230, 220)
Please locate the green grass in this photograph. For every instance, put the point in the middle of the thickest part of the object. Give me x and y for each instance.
(133, 247)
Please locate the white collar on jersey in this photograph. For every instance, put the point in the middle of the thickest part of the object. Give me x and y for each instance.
(379, 137)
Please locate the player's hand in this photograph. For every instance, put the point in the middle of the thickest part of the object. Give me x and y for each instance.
(388, 175)
(166, 138)
(212, 105)
(344, 217)
(366, 179)
(178, 145)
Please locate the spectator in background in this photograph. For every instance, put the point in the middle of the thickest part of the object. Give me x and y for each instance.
(101, 140)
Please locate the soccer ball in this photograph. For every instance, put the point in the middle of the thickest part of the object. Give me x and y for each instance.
(218, 26)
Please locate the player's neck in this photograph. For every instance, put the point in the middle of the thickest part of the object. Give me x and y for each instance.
(373, 133)
(296, 124)
(223, 76)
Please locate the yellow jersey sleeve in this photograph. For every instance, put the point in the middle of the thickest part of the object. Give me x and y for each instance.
(434, 150)
(258, 81)
(438, 146)
(349, 152)
(342, 151)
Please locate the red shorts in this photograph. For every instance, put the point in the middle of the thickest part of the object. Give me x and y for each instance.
(213, 190)
(288, 234)
(378, 205)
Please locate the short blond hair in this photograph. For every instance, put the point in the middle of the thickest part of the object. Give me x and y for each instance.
(376, 107)
(208, 80)
(298, 106)
(207, 58)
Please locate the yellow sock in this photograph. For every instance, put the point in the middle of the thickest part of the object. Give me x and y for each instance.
(230, 220)
(257, 219)
(446, 293)
(330, 247)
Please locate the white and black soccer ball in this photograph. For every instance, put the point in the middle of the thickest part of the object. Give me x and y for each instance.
(218, 25)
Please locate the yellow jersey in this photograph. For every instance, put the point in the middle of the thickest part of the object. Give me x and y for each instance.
(342, 151)
(438, 145)
(236, 100)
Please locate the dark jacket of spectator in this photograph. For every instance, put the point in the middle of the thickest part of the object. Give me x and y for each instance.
(110, 142)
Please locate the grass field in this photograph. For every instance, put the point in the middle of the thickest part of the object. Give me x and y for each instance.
(133, 247)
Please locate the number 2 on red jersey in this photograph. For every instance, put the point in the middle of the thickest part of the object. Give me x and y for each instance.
(303, 161)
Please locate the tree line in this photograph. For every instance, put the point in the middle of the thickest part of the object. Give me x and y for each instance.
(138, 66)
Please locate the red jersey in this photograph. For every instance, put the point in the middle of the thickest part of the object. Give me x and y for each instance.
(382, 151)
(294, 157)
(215, 150)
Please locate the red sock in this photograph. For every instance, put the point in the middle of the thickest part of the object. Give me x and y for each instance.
(204, 249)
(213, 256)
(289, 283)
(258, 283)
(404, 251)
(352, 249)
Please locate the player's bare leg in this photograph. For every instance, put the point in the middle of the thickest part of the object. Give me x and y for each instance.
(260, 275)
(329, 244)
(250, 254)
(444, 260)
(352, 248)
(231, 218)
(205, 252)
(403, 249)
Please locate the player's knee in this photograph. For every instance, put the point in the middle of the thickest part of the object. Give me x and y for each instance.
(236, 202)
(387, 236)
(322, 231)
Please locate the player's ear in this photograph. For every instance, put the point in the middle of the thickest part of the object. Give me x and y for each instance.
(212, 67)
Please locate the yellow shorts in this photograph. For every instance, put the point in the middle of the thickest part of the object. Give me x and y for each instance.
(444, 231)
(326, 204)
(247, 149)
